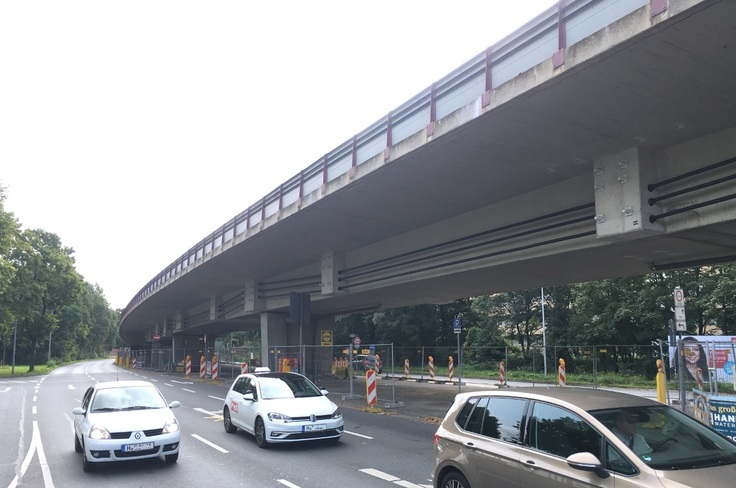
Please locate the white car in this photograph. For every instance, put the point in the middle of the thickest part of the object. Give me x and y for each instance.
(125, 420)
(281, 407)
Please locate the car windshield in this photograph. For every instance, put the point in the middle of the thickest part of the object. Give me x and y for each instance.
(667, 439)
(291, 387)
(130, 398)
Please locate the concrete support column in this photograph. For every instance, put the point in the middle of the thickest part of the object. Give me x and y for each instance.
(273, 332)
(620, 186)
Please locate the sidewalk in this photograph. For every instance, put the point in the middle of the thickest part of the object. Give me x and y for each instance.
(417, 397)
(412, 398)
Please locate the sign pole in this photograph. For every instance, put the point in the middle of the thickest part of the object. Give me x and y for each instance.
(458, 325)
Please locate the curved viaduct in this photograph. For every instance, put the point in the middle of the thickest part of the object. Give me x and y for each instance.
(598, 140)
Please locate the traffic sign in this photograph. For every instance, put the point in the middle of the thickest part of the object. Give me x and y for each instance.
(458, 324)
(681, 322)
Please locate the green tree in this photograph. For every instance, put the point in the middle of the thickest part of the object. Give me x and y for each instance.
(45, 282)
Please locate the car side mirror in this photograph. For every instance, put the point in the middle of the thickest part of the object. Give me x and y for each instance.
(586, 461)
(174, 404)
(79, 411)
(324, 392)
(248, 395)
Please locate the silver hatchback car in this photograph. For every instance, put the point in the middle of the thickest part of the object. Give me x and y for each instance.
(554, 437)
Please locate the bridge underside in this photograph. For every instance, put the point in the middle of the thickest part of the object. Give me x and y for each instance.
(620, 162)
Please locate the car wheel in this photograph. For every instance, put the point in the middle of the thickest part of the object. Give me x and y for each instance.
(228, 422)
(77, 444)
(454, 479)
(260, 432)
(171, 458)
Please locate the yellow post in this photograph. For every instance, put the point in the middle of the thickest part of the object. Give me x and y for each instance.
(661, 385)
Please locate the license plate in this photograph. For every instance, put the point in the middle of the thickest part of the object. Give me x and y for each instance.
(137, 447)
(310, 428)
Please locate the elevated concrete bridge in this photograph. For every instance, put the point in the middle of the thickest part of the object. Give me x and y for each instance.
(597, 141)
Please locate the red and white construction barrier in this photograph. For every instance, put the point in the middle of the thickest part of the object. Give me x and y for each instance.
(202, 369)
(502, 373)
(406, 368)
(451, 369)
(370, 387)
(431, 368)
(561, 378)
(188, 367)
(243, 368)
(215, 369)
(134, 364)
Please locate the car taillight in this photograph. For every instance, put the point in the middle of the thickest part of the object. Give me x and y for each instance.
(436, 439)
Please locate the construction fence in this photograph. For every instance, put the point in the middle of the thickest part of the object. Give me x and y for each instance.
(583, 365)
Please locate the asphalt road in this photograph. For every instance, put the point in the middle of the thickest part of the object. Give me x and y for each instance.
(378, 448)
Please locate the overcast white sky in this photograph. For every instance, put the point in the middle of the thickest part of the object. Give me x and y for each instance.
(133, 129)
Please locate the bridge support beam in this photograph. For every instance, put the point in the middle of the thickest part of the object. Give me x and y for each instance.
(330, 264)
(252, 303)
(620, 186)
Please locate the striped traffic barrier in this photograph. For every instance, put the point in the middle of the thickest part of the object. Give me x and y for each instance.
(561, 376)
(202, 369)
(370, 387)
(188, 367)
(451, 369)
(502, 373)
(135, 363)
(378, 364)
(406, 368)
(215, 369)
(431, 368)
(243, 368)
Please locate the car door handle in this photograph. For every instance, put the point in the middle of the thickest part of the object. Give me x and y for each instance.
(470, 444)
(530, 463)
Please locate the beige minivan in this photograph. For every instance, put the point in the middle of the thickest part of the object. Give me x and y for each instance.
(553, 437)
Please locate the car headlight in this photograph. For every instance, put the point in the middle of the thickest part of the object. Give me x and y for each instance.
(337, 414)
(98, 432)
(171, 426)
(278, 417)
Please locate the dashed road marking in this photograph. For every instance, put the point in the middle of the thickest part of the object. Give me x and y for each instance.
(389, 477)
(211, 444)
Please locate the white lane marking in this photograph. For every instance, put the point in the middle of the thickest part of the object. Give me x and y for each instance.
(287, 483)
(5, 390)
(35, 446)
(392, 478)
(33, 410)
(182, 382)
(358, 435)
(213, 446)
(216, 398)
(168, 384)
(206, 412)
(379, 474)
(190, 391)
(408, 484)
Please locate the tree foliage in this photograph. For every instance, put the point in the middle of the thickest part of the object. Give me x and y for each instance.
(633, 310)
(45, 302)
